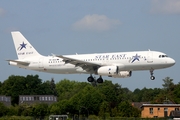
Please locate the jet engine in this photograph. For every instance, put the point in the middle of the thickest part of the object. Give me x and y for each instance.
(107, 70)
(122, 74)
(113, 71)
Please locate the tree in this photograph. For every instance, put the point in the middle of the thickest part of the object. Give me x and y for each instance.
(40, 110)
(55, 109)
(13, 110)
(112, 93)
(127, 110)
(14, 86)
(145, 94)
(0, 86)
(104, 110)
(45, 88)
(167, 92)
(29, 85)
(33, 85)
(127, 94)
(90, 99)
(53, 87)
(67, 89)
(136, 95)
(168, 84)
(3, 109)
(176, 93)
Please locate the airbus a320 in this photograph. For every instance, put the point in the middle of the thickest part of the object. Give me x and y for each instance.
(116, 64)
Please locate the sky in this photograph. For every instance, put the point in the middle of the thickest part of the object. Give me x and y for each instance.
(95, 26)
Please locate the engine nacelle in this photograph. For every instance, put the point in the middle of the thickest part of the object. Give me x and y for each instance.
(123, 74)
(113, 71)
(107, 70)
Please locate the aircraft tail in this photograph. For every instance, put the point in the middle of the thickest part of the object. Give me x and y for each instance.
(23, 47)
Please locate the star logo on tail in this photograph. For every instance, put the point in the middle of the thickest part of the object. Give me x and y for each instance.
(136, 57)
(23, 45)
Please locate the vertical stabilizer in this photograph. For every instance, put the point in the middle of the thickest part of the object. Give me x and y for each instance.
(23, 47)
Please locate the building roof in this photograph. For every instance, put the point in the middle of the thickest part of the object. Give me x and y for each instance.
(160, 105)
(139, 104)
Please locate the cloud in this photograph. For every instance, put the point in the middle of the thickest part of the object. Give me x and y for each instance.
(2, 12)
(166, 6)
(96, 22)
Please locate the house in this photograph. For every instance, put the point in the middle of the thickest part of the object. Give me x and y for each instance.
(158, 110)
(6, 100)
(32, 99)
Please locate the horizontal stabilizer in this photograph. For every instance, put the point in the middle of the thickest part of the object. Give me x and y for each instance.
(19, 62)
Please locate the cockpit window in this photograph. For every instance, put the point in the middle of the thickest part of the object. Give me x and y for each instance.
(162, 56)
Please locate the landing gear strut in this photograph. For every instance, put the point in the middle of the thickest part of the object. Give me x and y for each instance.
(152, 77)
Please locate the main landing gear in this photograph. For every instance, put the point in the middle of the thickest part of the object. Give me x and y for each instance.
(100, 80)
(152, 77)
(92, 79)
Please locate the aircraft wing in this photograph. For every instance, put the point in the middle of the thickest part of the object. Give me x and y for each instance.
(20, 62)
(88, 66)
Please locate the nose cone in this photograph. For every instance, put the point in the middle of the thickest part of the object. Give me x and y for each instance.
(171, 61)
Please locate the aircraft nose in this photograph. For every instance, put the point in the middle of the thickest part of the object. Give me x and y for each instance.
(172, 61)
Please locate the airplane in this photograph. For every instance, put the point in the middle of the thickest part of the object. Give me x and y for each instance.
(116, 64)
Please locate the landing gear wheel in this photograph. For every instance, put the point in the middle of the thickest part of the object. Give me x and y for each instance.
(90, 79)
(100, 80)
(152, 77)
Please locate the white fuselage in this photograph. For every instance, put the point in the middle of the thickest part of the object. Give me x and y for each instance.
(126, 61)
(117, 64)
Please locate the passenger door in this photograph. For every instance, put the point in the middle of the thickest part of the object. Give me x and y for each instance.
(41, 63)
(150, 57)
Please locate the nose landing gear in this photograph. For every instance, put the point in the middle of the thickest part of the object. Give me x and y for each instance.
(152, 77)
